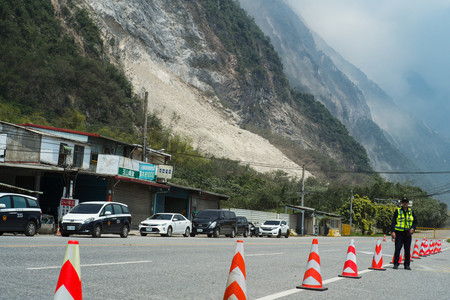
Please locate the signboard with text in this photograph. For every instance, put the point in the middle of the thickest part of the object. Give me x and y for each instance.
(165, 171)
(147, 171)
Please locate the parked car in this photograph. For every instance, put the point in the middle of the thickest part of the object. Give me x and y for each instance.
(214, 222)
(242, 226)
(19, 213)
(95, 218)
(254, 229)
(274, 228)
(166, 224)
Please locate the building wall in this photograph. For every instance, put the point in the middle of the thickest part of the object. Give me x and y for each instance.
(21, 145)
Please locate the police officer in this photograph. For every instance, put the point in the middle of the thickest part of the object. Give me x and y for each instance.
(403, 225)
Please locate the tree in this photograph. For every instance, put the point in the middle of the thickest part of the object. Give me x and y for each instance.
(384, 213)
(364, 212)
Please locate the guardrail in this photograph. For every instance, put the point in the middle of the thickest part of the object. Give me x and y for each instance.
(433, 233)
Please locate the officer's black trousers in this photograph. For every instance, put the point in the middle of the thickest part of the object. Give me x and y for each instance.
(402, 239)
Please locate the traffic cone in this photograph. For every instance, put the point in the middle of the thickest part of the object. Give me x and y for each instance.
(313, 279)
(422, 248)
(57, 231)
(377, 261)
(384, 238)
(350, 269)
(69, 282)
(427, 248)
(236, 284)
(439, 246)
(415, 254)
(399, 259)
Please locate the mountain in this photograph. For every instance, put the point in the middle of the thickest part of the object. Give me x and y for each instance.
(214, 77)
(395, 140)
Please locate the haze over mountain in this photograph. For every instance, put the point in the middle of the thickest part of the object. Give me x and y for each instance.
(395, 139)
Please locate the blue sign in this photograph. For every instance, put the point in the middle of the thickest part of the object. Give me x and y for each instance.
(147, 172)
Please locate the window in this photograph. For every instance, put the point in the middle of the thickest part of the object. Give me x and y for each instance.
(32, 203)
(6, 200)
(125, 210)
(64, 150)
(19, 202)
(78, 156)
(117, 209)
(107, 208)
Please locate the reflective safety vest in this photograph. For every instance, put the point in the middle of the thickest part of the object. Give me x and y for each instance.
(404, 222)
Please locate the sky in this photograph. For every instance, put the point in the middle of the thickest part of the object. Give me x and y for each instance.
(391, 41)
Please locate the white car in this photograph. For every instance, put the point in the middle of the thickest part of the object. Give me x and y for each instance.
(276, 228)
(166, 224)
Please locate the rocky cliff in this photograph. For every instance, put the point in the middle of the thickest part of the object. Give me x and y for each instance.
(202, 86)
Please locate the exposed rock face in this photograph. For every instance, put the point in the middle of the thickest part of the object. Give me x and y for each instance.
(158, 46)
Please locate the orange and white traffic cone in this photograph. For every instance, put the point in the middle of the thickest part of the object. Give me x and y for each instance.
(377, 261)
(427, 248)
(422, 248)
(236, 284)
(57, 231)
(439, 246)
(313, 279)
(69, 282)
(399, 259)
(415, 254)
(384, 238)
(350, 269)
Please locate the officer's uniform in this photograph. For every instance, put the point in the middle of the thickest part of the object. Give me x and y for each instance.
(402, 222)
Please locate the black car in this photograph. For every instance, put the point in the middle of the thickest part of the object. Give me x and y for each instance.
(254, 229)
(95, 218)
(19, 213)
(242, 226)
(214, 222)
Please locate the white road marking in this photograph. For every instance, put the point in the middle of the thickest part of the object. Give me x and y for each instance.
(293, 291)
(263, 254)
(366, 252)
(94, 265)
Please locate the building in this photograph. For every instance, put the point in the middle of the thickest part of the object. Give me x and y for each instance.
(55, 163)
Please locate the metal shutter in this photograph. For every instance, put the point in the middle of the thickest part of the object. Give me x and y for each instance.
(139, 199)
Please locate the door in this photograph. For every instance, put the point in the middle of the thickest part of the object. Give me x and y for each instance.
(107, 218)
(20, 211)
(118, 218)
(7, 217)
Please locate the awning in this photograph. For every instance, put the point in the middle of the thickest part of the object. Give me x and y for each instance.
(141, 181)
(20, 189)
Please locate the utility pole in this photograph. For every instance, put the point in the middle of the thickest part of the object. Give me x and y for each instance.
(303, 199)
(351, 212)
(144, 144)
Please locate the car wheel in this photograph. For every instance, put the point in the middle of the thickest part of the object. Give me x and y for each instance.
(288, 232)
(209, 235)
(97, 231)
(233, 234)
(1, 233)
(169, 231)
(143, 234)
(30, 229)
(216, 232)
(192, 234)
(279, 233)
(124, 232)
(246, 233)
(187, 232)
(64, 234)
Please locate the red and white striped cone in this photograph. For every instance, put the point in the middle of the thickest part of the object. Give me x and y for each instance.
(400, 259)
(377, 261)
(422, 248)
(313, 279)
(415, 254)
(384, 238)
(427, 248)
(350, 268)
(439, 246)
(236, 284)
(69, 282)
(434, 247)
(431, 247)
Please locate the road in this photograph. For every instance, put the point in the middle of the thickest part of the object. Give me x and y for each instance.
(156, 267)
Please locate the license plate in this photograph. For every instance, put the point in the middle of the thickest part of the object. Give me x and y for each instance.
(199, 230)
(70, 227)
(148, 229)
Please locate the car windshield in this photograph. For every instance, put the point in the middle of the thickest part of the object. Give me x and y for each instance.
(86, 208)
(272, 223)
(160, 217)
(208, 214)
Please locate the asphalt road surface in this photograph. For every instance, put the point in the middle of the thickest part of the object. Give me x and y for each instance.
(156, 267)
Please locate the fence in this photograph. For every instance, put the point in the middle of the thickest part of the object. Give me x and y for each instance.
(432, 233)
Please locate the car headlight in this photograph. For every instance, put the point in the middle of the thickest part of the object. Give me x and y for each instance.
(213, 224)
(88, 220)
(163, 224)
